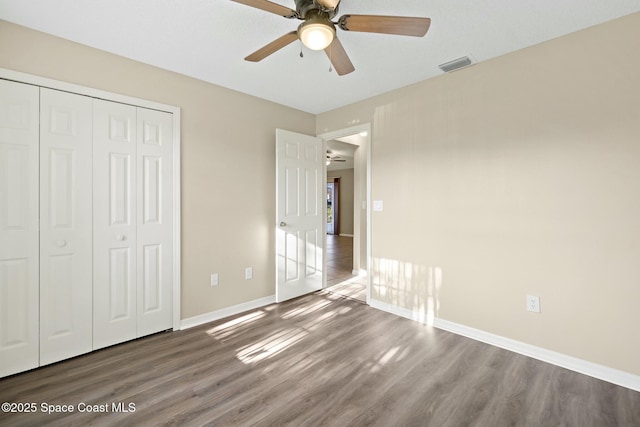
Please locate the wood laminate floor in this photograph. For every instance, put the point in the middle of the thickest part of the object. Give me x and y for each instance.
(340, 277)
(319, 360)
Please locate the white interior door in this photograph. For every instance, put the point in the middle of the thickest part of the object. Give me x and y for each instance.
(154, 221)
(114, 221)
(65, 225)
(301, 210)
(18, 227)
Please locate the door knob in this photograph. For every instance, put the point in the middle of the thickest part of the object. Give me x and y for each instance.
(61, 243)
(121, 237)
(283, 224)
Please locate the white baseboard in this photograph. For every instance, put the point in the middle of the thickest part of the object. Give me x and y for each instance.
(359, 272)
(601, 372)
(226, 312)
(346, 235)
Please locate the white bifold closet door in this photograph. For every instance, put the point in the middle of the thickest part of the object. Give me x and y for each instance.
(154, 221)
(19, 335)
(86, 224)
(132, 212)
(65, 225)
(114, 204)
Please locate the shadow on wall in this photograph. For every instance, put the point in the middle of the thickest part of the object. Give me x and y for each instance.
(407, 285)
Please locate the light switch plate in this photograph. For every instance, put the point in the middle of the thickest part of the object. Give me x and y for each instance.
(378, 205)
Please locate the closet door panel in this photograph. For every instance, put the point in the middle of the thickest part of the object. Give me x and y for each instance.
(65, 225)
(19, 346)
(155, 221)
(115, 206)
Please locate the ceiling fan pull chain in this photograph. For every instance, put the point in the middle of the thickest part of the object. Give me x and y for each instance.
(330, 59)
(301, 54)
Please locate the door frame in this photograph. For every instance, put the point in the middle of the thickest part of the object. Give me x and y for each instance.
(124, 99)
(340, 133)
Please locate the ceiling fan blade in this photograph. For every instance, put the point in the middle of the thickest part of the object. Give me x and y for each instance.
(339, 58)
(272, 47)
(400, 25)
(270, 7)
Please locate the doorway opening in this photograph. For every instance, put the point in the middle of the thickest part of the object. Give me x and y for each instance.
(333, 212)
(347, 226)
(341, 278)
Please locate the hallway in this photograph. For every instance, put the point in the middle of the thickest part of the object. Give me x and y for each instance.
(340, 277)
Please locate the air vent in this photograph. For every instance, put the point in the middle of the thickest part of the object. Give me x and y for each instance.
(455, 64)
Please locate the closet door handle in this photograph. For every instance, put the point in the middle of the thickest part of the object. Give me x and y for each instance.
(121, 237)
(283, 224)
(61, 243)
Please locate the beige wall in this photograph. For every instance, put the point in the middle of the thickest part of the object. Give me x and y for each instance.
(345, 202)
(228, 161)
(519, 175)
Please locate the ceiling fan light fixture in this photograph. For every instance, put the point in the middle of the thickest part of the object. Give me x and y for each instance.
(316, 34)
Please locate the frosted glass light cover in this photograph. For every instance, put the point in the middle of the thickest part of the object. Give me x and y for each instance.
(316, 36)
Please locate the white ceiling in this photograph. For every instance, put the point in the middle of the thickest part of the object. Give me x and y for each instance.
(208, 39)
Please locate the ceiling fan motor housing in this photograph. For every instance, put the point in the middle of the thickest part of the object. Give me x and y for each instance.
(303, 7)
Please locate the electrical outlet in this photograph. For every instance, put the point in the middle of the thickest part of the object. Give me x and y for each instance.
(214, 279)
(533, 303)
(248, 273)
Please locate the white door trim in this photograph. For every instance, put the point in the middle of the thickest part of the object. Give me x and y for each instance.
(124, 99)
(340, 133)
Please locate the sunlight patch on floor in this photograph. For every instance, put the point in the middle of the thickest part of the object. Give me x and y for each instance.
(271, 346)
(228, 328)
(384, 359)
(317, 322)
(307, 309)
(315, 315)
(354, 288)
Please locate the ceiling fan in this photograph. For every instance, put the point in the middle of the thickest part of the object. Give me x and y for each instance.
(318, 31)
(331, 158)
